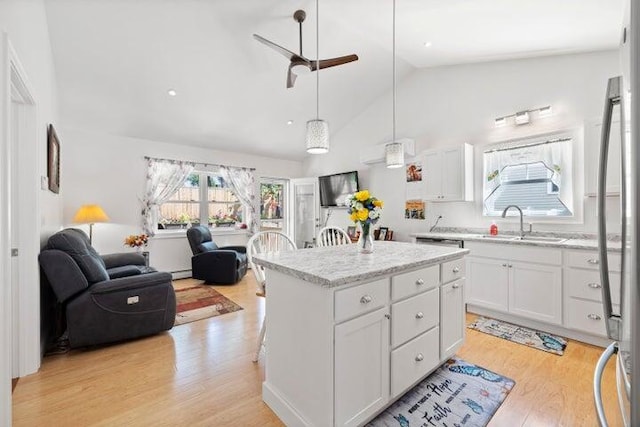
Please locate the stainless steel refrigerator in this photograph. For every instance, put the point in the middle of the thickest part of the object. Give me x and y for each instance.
(622, 321)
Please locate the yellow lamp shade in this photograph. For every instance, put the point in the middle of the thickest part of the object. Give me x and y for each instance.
(89, 214)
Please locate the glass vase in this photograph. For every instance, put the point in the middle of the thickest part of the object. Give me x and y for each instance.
(365, 241)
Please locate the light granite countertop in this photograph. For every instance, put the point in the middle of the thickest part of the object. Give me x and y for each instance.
(568, 240)
(339, 265)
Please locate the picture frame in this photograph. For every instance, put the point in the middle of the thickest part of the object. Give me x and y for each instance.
(53, 160)
(351, 231)
(383, 233)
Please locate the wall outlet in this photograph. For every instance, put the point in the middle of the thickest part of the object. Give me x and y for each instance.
(44, 183)
(133, 300)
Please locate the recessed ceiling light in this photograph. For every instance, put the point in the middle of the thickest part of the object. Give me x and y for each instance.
(289, 122)
(172, 92)
(427, 44)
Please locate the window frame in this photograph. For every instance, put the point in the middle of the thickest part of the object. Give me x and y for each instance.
(203, 203)
(575, 178)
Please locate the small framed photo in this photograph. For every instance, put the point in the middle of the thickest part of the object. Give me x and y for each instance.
(351, 231)
(383, 233)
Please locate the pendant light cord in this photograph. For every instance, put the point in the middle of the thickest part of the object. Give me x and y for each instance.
(393, 140)
(318, 60)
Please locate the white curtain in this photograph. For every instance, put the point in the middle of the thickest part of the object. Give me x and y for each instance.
(164, 178)
(243, 184)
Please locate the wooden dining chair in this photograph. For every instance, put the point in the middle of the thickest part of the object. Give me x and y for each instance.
(260, 243)
(332, 236)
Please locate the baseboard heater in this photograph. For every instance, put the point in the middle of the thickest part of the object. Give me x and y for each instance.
(180, 274)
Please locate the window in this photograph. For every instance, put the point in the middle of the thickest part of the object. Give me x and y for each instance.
(272, 204)
(535, 177)
(203, 199)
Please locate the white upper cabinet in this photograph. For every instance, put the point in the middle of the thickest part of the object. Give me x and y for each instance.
(448, 174)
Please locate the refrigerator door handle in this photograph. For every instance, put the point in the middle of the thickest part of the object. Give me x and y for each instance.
(597, 381)
(614, 87)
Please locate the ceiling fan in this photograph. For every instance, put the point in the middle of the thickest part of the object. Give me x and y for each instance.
(298, 61)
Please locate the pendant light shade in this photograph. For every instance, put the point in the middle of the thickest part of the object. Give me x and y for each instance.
(394, 153)
(317, 130)
(317, 136)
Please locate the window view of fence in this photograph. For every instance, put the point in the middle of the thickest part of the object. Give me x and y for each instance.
(212, 204)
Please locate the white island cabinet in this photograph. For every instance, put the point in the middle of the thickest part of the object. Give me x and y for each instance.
(349, 333)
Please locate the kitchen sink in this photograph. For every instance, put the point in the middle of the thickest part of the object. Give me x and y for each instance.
(541, 239)
(526, 238)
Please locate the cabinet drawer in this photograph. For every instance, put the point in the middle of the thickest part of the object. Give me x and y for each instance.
(413, 282)
(361, 299)
(413, 316)
(586, 284)
(414, 360)
(587, 316)
(453, 270)
(590, 259)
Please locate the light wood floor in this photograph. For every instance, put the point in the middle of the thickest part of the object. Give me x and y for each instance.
(201, 374)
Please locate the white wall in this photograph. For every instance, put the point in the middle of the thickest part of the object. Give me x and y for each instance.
(110, 171)
(26, 24)
(446, 106)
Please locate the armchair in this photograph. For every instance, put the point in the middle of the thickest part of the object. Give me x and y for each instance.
(213, 264)
(105, 299)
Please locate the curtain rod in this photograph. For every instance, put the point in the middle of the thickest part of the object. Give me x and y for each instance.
(196, 163)
(528, 145)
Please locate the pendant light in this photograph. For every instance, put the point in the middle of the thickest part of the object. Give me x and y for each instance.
(317, 130)
(394, 151)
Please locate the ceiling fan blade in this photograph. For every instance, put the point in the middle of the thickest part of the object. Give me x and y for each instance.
(291, 76)
(326, 63)
(286, 52)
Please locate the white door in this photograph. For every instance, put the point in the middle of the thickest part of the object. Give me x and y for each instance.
(452, 184)
(452, 320)
(432, 175)
(536, 291)
(361, 367)
(305, 204)
(488, 283)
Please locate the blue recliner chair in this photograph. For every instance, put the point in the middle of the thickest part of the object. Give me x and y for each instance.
(105, 298)
(217, 265)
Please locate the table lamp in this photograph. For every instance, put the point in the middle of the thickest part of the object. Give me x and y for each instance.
(90, 214)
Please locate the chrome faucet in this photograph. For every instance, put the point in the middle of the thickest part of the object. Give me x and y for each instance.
(504, 214)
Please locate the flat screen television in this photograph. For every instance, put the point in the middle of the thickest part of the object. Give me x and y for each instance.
(335, 188)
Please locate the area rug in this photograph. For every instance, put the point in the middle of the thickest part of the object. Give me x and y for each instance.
(521, 335)
(456, 394)
(199, 302)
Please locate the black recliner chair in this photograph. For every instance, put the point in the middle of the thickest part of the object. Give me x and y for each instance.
(213, 264)
(105, 298)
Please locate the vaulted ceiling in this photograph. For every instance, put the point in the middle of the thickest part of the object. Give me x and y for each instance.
(115, 60)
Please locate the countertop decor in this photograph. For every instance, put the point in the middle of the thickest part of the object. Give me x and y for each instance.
(365, 210)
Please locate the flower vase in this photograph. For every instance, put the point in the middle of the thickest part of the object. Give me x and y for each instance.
(365, 241)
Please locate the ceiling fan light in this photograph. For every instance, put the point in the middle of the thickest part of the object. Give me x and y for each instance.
(317, 136)
(394, 155)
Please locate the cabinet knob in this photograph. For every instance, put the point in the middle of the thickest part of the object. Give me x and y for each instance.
(593, 316)
(420, 282)
(419, 315)
(456, 269)
(388, 316)
(510, 265)
(419, 357)
(504, 264)
(455, 285)
(366, 299)
(594, 285)
(593, 261)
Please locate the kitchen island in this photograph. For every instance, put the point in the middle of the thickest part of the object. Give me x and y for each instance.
(349, 333)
